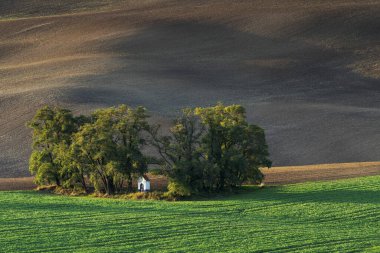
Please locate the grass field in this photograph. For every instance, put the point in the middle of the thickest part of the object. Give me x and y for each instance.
(335, 216)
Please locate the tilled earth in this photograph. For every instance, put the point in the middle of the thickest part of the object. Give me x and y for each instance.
(307, 71)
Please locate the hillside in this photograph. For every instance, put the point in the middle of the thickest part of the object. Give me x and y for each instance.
(307, 71)
(338, 216)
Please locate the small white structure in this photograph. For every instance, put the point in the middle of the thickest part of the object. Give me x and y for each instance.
(143, 184)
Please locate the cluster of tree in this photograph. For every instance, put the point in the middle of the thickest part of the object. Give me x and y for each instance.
(207, 149)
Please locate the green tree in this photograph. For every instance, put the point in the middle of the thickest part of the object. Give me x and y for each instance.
(130, 132)
(233, 149)
(51, 127)
(110, 147)
(74, 171)
(212, 149)
(255, 150)
(94, 149)
(180, 152)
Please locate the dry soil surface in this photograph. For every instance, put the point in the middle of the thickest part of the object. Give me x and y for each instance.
(307, 71)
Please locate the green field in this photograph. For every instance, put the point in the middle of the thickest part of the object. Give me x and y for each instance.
(336, 216)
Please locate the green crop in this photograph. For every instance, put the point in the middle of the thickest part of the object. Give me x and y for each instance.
(335, 216)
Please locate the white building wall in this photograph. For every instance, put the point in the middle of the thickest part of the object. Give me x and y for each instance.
(138, 183)
(147, 185)
(144, 182)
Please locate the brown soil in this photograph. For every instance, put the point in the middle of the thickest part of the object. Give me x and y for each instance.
(321, 172)
(274, 176)
(307, 71)
(22, 183)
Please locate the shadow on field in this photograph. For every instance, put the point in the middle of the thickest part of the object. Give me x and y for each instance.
(348, 27)
(187, 63)
(296, 79)
(312, 106)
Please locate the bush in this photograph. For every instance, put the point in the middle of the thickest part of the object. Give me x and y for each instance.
(177, 190)
(143, 195)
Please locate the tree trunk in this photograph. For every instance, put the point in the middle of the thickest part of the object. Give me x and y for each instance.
(130, 186)
(57, 182)
(84, 184)
(222, 180)
(121, 185)
(110, 189)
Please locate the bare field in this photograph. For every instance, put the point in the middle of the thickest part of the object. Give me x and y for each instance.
(307, 71)
(20, 183)
(319, 172)
(273, 176)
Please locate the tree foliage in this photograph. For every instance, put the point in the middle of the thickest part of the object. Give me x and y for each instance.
(213, 149)
(52, 128)
(207, 149)
(180, 151)
(110, 147)
(234, 150)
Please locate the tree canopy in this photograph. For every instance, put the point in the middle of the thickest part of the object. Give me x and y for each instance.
(207, 149)
(52, 128)
(214, 149)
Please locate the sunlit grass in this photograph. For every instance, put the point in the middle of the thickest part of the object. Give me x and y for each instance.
(336, 216)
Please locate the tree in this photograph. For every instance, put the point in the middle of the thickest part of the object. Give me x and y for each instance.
(130, 130)
(234, 150)
(110, 147)
(180, 152)
(211, 149)
(74, 170)
(52, 127)
(256, 152)
(94, 150)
